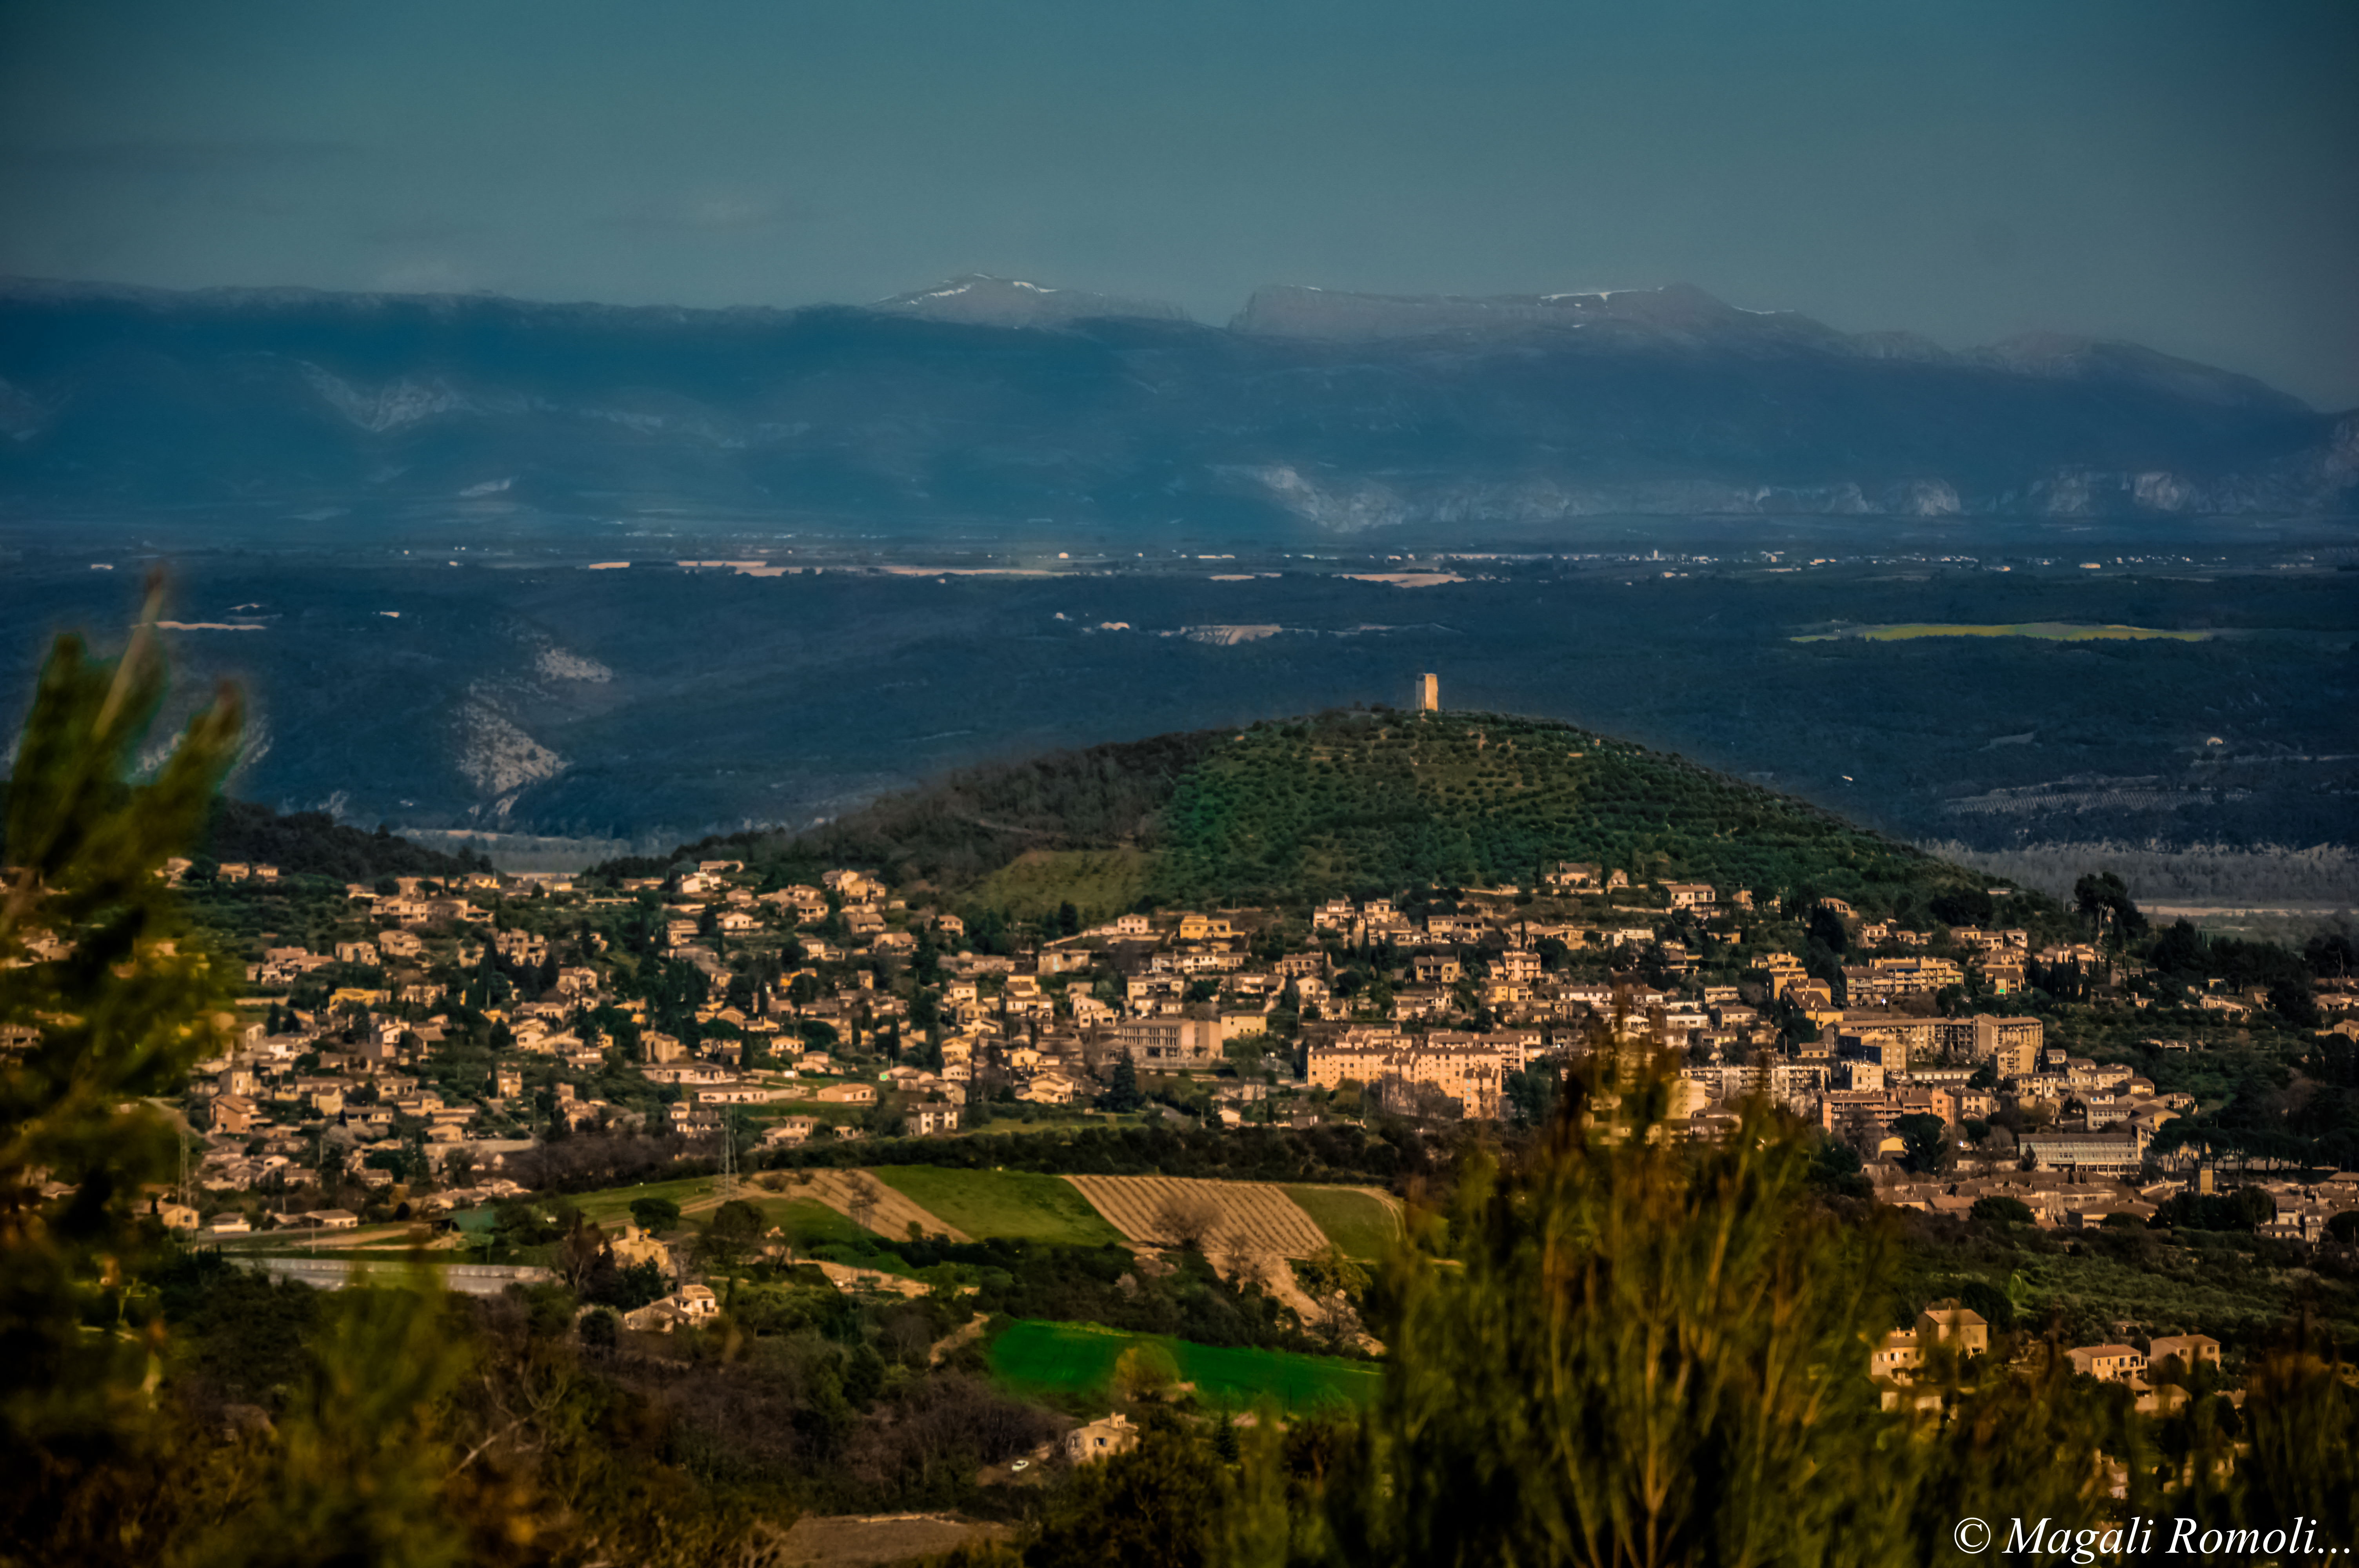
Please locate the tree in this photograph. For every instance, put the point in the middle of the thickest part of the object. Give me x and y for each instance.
(1188, 1218)
(732, 1232)
(628, 1289)
(1531, 1095)
(1123, 1094)
(579, 1250)
(1999, 1209)
(2105, 899)
(1151, 1507)
(862, 1207)
(1924, 1142)
(2291, 999)
(1630, 1348)
(1836, 1166)
(655, 1215)
(1964, 906)
(115, 1018)
(1335, 1282)
(1144, 1371)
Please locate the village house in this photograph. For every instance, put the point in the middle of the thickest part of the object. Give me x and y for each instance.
(689, 1307)
(932, 1121)
(2189, 1350)
(1101, 1439)
(2107, 1363)
(789, 1131)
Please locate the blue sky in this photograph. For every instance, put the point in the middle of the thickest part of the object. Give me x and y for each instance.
(2178, 174)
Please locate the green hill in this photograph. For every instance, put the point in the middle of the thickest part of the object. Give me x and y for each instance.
(1356, 801)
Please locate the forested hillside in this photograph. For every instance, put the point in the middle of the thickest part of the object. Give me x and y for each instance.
(1348, 802)
(311, 843)
(307, 843)
(1343, 802)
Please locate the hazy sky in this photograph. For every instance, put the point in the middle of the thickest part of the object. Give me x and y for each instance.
(2184, 175)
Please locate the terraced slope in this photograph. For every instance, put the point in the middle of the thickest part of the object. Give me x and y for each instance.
(1224, 1217)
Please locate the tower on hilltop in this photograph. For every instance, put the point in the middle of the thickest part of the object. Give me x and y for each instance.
(1428, 693)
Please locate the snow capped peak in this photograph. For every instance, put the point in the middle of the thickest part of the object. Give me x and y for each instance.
(981, 299)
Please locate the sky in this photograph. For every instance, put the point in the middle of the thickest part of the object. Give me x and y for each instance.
(2182, 175)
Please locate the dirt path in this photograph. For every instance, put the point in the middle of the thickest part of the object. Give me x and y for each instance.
(958, 1339)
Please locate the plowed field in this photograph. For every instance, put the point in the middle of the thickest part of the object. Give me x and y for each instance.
(1229, 1217)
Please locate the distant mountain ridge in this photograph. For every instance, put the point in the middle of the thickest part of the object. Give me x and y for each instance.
(991, 402)
(1689, 317)
(982, 300)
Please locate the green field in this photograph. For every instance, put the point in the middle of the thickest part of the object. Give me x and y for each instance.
(2052, 631)
(1361, 1225)
(612, 1206)
(1038, 1358)
(1013, 1203)
(808, 1223)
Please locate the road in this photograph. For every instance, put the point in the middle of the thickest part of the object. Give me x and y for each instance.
(334, 1273)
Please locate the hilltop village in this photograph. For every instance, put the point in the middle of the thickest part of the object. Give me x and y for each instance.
(424, 1044)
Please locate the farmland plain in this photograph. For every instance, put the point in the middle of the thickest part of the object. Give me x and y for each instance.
(1362, 1224)
(1226, 1216)
(1036, 1358)
(1016, 1204)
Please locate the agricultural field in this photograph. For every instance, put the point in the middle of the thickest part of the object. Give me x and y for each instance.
(867, 1202)
(1363, 1224)
(1016, 1205)
(1220, 1218)
(2050, 631)
(612, 1206)
(1039, 1359)
(807, 1222)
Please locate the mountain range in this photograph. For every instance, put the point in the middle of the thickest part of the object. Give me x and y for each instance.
(991, 403)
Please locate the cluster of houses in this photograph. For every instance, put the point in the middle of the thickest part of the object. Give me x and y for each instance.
(1241, 1014)
(1901, 1364)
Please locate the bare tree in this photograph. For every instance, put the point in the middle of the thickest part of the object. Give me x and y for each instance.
(1188, 1218)
(579, 1250)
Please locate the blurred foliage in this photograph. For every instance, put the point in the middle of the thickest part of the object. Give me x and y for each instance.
(97, 968)
(1627, 1349)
